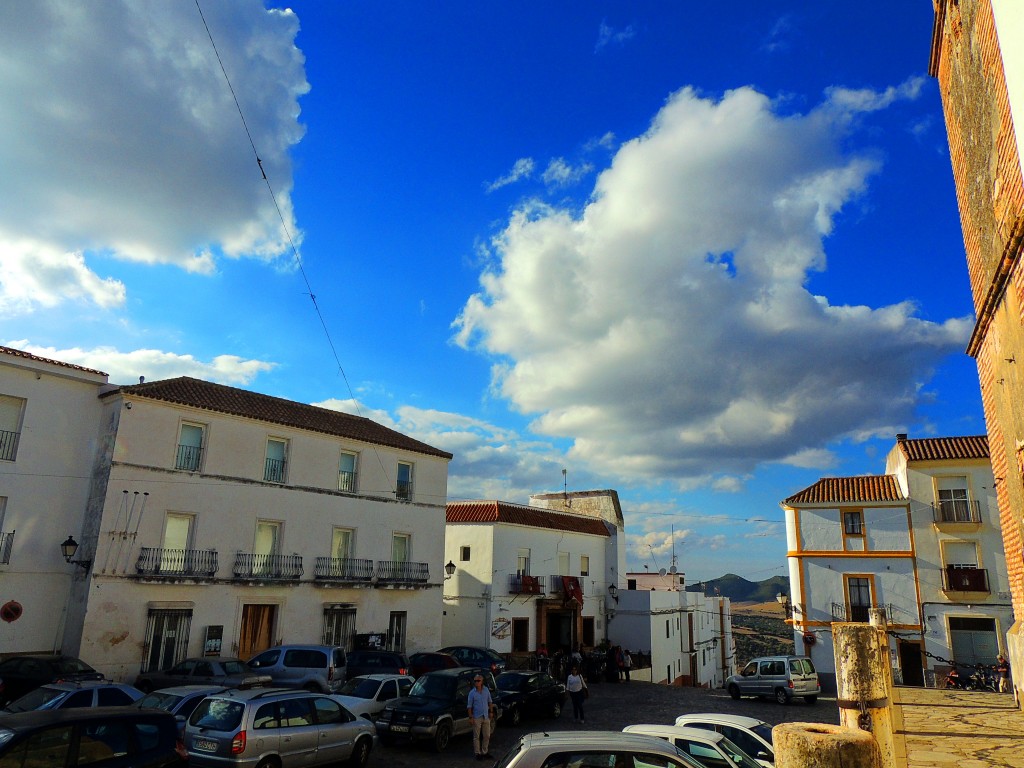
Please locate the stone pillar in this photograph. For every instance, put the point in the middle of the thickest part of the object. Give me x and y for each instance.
(864, 684)
(798, 745)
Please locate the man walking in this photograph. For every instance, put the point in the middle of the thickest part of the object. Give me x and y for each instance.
(1003, 673)
(481, 711)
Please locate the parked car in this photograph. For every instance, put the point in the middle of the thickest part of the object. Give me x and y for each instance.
(87, 693)
(751, 735)
(475, 656)
(112, 737)
(222, 671)
(429, 662)
(179, 701)
(367, 695)
(376, 663)
(435, 708)
(562, 748)
(278, 727)
(709, 748)
(313, 667)
(529, 694)
(781, 677)
(21, 674)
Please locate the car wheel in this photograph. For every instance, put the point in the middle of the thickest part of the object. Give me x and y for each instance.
(360, 754)
(781, 697)
(268, 762)
(515, 715)
(734, 691)
(442, 736)
(556, 710)
(810, 699)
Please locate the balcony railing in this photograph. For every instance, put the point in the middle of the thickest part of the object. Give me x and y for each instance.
(402, 572)
(403, 490)
(249, 565)
(6, 545)
(343, 569)
(347, 482)
(859, 612)
(171, 563)
(8, 445)
(273, 470)
(956, 579)
(956, 511)
(521, 584)
(188, 457)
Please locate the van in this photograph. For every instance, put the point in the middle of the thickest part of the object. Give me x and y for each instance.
(317, 668)
(781, 677)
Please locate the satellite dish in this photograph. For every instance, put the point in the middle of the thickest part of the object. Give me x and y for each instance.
(661, 572)
(673, 569)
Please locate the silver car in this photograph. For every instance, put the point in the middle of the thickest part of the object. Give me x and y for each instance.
(781, 677)
(594, 748)
(276, 726)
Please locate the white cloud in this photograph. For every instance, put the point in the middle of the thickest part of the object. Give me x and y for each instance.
(606, 35)
(667, 329)
(607, 141)
(560, 174)
(119, 136)
(868, 100)
(127, 367)
(522, 169)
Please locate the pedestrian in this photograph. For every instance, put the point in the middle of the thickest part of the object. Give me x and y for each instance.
(1003, 673)
(576, 685)
(627, 663)
(619, 663)
(611, 671)
(543, 662)
(481, 712)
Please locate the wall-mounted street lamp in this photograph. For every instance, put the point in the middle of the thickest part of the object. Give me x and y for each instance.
(450, 570)
(783, 599)
(68, 549)
(613, 591)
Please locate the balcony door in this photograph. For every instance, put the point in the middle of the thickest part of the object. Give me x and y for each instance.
(266, 546)
(177, 542)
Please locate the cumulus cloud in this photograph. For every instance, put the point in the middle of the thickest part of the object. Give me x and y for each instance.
(127, 367)
(522, 169)
(119, 136)
(666, 328)
(608, 35)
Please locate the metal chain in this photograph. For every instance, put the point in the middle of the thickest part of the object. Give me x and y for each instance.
(900, 636)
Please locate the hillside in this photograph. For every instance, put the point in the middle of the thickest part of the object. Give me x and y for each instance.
(760, 629)
(740, 590)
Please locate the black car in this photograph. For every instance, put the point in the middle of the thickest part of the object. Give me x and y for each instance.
(527, 694)
(114, 737)
(225, 672)
(21, 674)
(376, 663)
(431, 662)
(435, 709)
(477, 656)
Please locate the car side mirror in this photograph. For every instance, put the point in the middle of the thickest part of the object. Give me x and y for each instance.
(762, 755)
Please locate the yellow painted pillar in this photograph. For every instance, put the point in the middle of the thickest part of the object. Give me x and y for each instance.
(864, 684)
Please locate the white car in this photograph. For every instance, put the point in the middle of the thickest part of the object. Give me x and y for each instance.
(751, 735)
(366, 695)
(709, 748)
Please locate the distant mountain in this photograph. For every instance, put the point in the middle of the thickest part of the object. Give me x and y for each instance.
(739, 590)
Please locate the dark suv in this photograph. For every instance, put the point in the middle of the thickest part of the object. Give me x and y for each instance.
(376, 663)
(435, 708)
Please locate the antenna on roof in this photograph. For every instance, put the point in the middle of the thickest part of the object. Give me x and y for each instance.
(565, 488)
(673, 569)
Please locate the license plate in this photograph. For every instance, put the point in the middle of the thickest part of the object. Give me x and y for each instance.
(205, 745)
(400, 728)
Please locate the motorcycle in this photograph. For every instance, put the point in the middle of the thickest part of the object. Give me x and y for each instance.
(953, 680)
(983, 679)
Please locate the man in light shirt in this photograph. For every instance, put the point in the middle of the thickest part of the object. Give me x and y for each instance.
(481, 711)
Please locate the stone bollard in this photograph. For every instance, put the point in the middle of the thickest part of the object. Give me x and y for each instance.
(798, 745)
(863, 682)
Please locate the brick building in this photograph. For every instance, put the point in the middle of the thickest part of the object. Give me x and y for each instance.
(977, 56)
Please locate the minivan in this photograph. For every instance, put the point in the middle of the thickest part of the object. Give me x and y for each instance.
(781, 677)
(317, 668)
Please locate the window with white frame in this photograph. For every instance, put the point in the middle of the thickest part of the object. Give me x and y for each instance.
(523, 562)
(266, 547)
(584, 565)
(190, 447)
(341, 543)
(954, 504)
(11, 412)
(178, 531)
(401, 546)
(347, 472)
(275, 461)
(403, 489)
(166, 640)
(339, 626)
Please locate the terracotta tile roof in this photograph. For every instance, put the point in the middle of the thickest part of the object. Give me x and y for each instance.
(239, 402)
(29, 356)
(518, 514)
(834, 490)
(944, 448)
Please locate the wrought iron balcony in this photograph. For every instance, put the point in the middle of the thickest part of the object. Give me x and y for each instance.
(6, 545)
(343, 569)
(347, 482)
(403, 490)
(402, 572)
(957, 579)
(256, 567)
(858, 612)
(522, 584)
(177, 563)
(956, 511)
(188, 457)
(273, 470)
(8, 445)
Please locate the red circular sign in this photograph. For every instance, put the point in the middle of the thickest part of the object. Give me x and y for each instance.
(809, 638)
(10, 611)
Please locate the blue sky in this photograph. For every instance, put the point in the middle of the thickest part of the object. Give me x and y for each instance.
(703, 254)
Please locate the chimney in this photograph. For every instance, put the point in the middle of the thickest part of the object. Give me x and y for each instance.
(901, 437)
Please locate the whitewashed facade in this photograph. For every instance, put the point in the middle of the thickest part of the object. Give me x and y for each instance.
(921, 542)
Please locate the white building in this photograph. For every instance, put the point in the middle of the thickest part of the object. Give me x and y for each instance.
(922, 542)
(216, 519)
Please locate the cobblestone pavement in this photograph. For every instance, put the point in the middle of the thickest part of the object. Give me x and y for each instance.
(611, 707)
(965, 729)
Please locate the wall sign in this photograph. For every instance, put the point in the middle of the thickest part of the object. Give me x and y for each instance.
(10, 611)
(501, 628)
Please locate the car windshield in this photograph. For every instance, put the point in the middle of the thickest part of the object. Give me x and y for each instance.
(360, 688)
(234, 668)
(36, 699)
(492, 655)
(741, 758)
(70, 666)
(434, 687)
(217, 714)
(511, 682)
(764, 731)
(159, 700)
